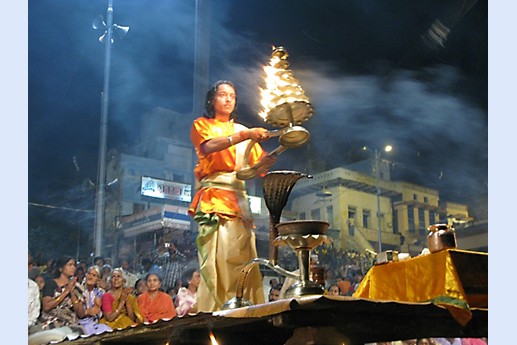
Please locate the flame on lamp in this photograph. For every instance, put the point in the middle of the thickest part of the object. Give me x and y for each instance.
(281, 86)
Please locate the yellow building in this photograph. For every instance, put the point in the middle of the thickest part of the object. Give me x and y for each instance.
(357, 205)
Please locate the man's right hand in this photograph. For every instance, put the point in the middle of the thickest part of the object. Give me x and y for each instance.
(258, 134)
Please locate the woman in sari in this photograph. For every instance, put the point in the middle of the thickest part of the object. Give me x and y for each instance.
(61, 303)
(154, 303)
(186, 301)
(119, 306)
(92, 302)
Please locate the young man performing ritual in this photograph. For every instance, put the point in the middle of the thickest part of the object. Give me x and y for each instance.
(226, 240)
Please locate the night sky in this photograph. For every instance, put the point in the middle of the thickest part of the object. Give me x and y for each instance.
(365, 66)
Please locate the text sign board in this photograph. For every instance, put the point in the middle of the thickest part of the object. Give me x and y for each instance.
(156, 188)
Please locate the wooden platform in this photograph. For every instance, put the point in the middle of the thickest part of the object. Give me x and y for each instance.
(309, 320)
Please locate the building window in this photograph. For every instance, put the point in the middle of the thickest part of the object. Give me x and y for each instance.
(411, 219)
(366, 219)
(351, 212)
(329, 210)
(316, 214)
(395, 221)
(351, 220)
(396, 198)
(426, 200)
(421, 221)
(415, 197)
(432, 218)
(302, 216)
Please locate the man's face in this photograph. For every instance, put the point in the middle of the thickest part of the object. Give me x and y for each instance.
(224, 101)
(274, 295)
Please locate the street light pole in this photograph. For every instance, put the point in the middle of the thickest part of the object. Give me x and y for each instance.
(101, 178)
(377, 167)
(378, 187)
(107, 39)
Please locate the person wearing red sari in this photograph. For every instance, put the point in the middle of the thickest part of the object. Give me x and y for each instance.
(155, 304)
(226, 241)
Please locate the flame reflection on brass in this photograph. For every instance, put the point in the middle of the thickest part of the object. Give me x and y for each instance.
(213, 341)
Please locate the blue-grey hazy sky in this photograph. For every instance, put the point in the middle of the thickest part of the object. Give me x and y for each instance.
(362, 63)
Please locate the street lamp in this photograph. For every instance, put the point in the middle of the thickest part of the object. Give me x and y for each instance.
(107, 39)
(377, 154)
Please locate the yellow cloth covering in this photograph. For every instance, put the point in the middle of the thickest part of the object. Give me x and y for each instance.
(440, 278)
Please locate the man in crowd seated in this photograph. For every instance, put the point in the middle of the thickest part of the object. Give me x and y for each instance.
(274, 293)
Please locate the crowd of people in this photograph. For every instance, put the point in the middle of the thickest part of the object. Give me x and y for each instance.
(72, 297)
(69, 297)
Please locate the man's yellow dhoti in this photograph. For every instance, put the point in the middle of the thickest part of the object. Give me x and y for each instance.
(220, 269)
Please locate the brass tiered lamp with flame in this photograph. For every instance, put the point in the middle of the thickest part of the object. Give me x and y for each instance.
(285, 105)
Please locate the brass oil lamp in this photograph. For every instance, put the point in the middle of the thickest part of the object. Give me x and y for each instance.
(285, 105)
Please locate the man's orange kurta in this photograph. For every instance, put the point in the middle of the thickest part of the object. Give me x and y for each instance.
(161, 307)
(214, 200)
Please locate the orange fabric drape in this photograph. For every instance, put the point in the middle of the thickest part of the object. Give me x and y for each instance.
(161, 307)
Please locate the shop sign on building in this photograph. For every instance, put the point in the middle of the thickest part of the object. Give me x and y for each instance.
(163, 189)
